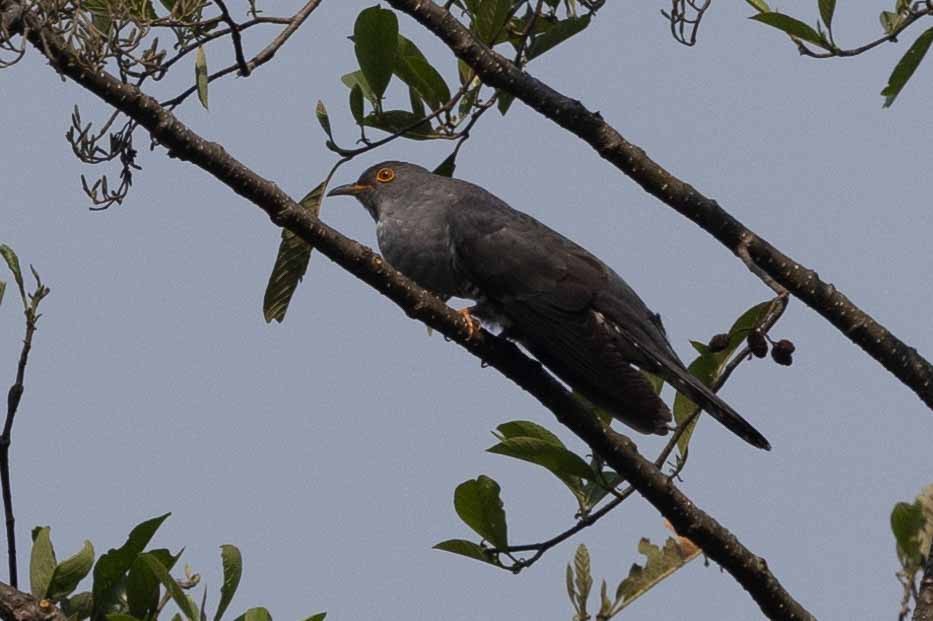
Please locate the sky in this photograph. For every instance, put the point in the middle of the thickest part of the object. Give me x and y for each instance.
(328, 447)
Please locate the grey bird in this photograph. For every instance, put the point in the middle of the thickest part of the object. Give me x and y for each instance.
(568, 308)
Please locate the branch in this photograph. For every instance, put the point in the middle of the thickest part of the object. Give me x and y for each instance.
(805, 284)
(617, 450)
(18, 606)
(924, 609)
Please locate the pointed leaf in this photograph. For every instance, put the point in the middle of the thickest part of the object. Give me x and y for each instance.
(906, 523)
(110, 568)
(12, 262)
(233, 570)
(70, 572)
(318, 617)
(557, 459)
(759, 5)
(394, 121)
(142, 586)
(291, 263)
(320, 111)
(504, 101)
(357, 79)
(583, 581)
(181, 600)
(200, 75)
(41, 562)
(466, 548)
(356, 103)
(375, 41)
(490, 18)
(255, 614)
(414, 69)
(2, 290)
(78, 606)
(528, 429)
(906, 66)
(793, 27)
(447, 167)
(560, 32)
(478, 504)
(827, 8)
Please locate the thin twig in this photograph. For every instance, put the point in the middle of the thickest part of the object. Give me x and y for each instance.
(235, 37)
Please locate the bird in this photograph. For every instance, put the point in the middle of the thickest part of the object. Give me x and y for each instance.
(565, 306)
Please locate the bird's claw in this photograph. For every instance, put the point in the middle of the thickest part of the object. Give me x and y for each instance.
(471, 325)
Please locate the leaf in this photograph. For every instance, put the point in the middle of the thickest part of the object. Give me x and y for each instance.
(827, 8)
(200, 75)
(478, 504)
(119, 616)
(394, 121)
(178, 595)
(12, 262)
(660, 563)
(70, 572)
(356, 103)
(233, 569)
(41, 561)
(467, 549)
(447, 167)
(109, 570)
(375, 41)
(560, 32)
(414, 69)
(583, 581)
(255, 614)
(78, 606)
(906, 66)
(318, 617)
(2, 290)
(527, 429)
(321, 113)
(793, 27)
(417, 103)
(504, 101)
(906, 523)
(557, 459)
(291, 263)
(490, 18)
(709, 365)
(759, 5)
(358, 80)
(889, 21)
(142, 586)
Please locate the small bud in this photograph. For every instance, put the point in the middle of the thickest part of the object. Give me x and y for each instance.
(758, 344)
(719, 342)
(781, 352)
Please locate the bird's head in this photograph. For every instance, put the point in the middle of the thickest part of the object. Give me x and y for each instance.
(385, 185)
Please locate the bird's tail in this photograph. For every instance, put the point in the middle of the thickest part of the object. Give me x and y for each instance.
(707, 400)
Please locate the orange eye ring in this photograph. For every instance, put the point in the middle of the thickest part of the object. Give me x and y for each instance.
(385, 175)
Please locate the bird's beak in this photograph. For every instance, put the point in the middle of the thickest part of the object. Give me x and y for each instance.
(351, 189)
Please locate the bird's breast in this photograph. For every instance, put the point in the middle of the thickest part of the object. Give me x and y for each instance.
(420, 252)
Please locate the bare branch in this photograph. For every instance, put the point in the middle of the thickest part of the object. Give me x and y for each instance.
(18, 606)
(924, 609)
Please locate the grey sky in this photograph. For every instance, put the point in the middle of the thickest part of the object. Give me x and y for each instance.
(328, 448)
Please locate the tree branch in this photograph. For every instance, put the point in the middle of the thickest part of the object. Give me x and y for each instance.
(924, 608)
(497, 71)
(18, 606)
(617, 450)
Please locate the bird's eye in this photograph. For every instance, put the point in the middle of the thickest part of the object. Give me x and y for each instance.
(385, 175)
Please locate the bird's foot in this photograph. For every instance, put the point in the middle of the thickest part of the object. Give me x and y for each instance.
(471, 325)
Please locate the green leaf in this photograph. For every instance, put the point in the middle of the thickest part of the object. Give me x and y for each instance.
(394, 121)
(178, 595)
(557, 459)
(321, 113)
(41, 560)
(142, 586)
(889, 21)
(907, 523)
(560, 32)
(356, 79)
(793, 27)
(12, 262)
(827, 8)
(490, 18)
(414, 69)
(906, 66)
(70, 572)
(660, 563)
(527, 429)
(759, 5)
(291, 263)
(255, 614)
(356, 103)
(466, 548)
(478, 504)
(709, 365)
(110, 568)
(200, 75)
(596, 490)
(375, 41)
(119, 616)
(2, 290)
(233, 569)
(582, 578)
(504, 101)
(318, 617)
(447, 167)
(417, 104)
(78, 606)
